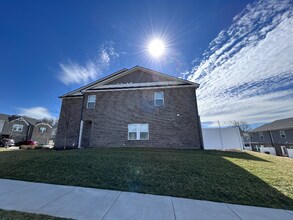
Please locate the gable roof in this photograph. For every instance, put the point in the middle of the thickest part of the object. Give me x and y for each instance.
(10, 118)
(281, 124)
(103, 83)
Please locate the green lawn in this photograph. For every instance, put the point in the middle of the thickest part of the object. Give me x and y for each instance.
(242, 178)
(14, 215)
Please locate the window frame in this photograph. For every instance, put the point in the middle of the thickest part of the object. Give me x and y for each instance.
(163, 99)
(41, 131)
(18, 126)
(138, 131)
(88, 102)
(282, 131)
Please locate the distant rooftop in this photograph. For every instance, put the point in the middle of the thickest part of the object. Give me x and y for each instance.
(281, 124)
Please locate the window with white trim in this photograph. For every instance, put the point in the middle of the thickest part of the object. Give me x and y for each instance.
(43, 129)
(260, 135)
(138, 131)
(91, 102)
(17, 127)
(282, 134)
(159, 98)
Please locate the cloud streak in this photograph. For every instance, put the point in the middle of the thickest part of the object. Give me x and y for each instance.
(35, 112)
(74, 73)
(247, 71)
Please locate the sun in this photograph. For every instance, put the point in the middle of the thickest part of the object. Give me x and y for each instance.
(156, 48)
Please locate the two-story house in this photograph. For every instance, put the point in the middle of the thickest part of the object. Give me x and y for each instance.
(277, 134)
(135, 107)
(21, 128)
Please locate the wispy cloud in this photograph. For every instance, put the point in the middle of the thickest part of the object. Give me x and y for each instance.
(247, 72)
(73, 72)
(35, 112)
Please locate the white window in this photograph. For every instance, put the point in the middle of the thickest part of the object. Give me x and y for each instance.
(138, 131)
(282, 134)
(159, 99)
(260, 135)
(43, 129)
(91, 102)
(17, 127)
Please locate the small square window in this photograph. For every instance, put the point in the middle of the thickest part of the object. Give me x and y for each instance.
(17, 127)
(282, 134)
(260, 135)
(159, 98)
(43, 129)
(91, 102)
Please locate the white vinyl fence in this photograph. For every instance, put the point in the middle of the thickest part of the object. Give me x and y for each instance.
(222, 139)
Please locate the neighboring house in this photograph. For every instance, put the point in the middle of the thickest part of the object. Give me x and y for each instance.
(277, 135)
(22, 128)
(135, 107)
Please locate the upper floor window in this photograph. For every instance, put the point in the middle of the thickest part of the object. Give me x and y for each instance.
(260, 135)
(138, 131)
(43, 129)
(91, 102)
(159, 98)
(282, 134)
(17, 127)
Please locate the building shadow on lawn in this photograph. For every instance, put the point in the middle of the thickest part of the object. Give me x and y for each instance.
(219, 180)
(237, 155)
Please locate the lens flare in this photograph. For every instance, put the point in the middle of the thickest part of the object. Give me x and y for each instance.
(156, 48)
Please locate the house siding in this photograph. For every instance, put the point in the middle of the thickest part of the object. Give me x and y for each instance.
(41, 138)
(279, 140)
(139, 77)
(116, 109)
(17, 136)
(276, 142)
(69, 123)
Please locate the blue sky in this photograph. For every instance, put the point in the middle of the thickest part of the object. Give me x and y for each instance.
(239, 51)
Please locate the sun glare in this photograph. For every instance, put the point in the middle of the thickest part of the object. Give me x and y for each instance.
(156, 48)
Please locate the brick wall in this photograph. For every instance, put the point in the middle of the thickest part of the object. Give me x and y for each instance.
(69, 123)
(175, 125)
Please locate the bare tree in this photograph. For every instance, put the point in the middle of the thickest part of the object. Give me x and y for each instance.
(242, 125)
(50, 121)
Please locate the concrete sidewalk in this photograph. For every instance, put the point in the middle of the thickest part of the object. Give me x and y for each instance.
(87, 203)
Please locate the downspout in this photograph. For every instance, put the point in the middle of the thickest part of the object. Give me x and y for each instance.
(81, 122)
(199, 125)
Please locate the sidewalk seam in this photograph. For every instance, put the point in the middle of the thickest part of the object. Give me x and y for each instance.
(111, 206)
(233, 211)
(173, 208)
(56, 198)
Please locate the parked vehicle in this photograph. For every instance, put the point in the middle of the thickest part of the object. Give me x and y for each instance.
(28, 143)
(6, 141)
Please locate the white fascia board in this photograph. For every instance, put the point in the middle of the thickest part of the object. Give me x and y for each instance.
(42, 123)
(174, 79)
(144, 88)
(125, 85)
(21, 119)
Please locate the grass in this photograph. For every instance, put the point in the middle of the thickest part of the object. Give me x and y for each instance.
(15, 215)
(241, 178)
